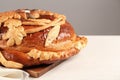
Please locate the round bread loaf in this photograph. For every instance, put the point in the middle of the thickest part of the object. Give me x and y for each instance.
(34, 37)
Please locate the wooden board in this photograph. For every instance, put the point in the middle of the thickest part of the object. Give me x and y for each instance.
(40, 70)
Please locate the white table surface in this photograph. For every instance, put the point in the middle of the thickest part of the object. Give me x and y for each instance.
(100, 60)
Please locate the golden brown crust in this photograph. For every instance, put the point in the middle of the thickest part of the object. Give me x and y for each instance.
(39, 37)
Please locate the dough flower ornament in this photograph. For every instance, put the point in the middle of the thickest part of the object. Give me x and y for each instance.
(15, 32)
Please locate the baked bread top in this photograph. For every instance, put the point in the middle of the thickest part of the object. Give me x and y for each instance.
(33, 37)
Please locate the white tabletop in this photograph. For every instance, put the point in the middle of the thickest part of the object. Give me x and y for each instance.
(100, 60)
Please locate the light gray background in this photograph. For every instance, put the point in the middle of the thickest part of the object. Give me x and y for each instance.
(89, 17)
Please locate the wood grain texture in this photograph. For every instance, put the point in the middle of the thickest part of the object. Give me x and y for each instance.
(42, 69)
